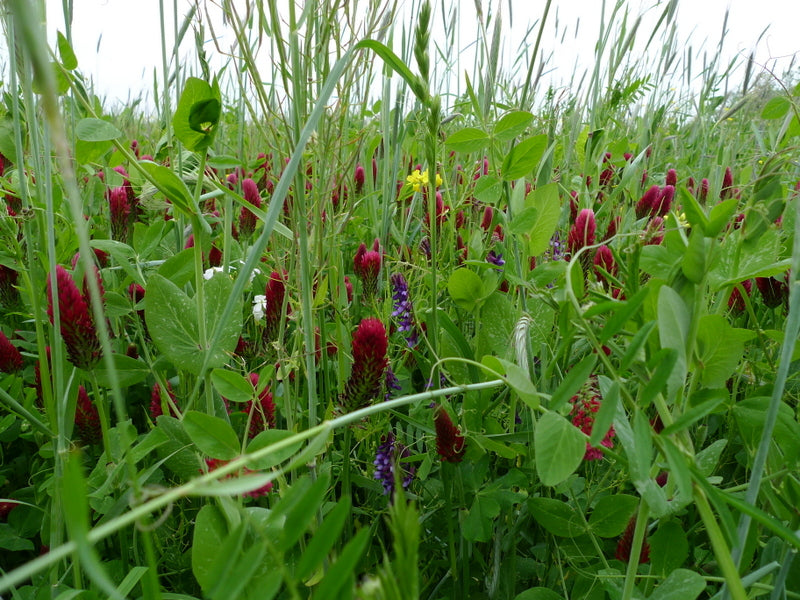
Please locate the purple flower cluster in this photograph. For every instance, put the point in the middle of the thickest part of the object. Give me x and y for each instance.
(389, 454)
(391, 383)
(495, 258)
(403, 310)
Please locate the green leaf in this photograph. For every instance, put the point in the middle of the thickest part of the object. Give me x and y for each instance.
(673, 328)
(197, 114)
(669, 548)
(172, 186)
(622, 314)
(776, 108)
(694, 263)
(720, 216)
(171, 319)
(522, 222)
(681, 584)
(268, 438)
(512, 125)
(611, 514)
(547, 204)
(179, 268)
(211, 435)
(488, 189)
(393, 61)
(466, 288)
(695, 214)
(130, 371)
(210, 532)
(68, 59)
(720, 348)
(664, 360)
(559, 447)
(478, 524)
(302, 511)
(232, 385)
(497, 318)
(605, 416)
(324, 539)
(96, 130)
(575, 378)
(520, 382)
(557, 517)
(524, 157)
(751, 414)
(468, 139)
(343, 570)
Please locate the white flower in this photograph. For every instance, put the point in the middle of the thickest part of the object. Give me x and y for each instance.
(209, 273)
(259, 306)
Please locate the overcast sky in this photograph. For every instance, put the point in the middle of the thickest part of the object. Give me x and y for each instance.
(117, 42)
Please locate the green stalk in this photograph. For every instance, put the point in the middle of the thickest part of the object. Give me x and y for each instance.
(636, 550)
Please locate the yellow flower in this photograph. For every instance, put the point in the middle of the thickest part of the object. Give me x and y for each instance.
(417, 180)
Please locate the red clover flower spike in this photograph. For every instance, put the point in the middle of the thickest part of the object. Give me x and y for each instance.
(585, 405)
(263, 412)
(450, 444)
(369, 363)
(367, 266)
(87, 420)
(10, 358)
(403, 309)
(119, 207)
(77, 325)
(387, 460)
(248, 219)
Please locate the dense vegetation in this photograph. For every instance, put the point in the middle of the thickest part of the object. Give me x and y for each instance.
(308, 334)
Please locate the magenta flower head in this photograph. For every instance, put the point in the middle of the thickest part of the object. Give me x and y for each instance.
(625, 545)
(367, 267)
(604, 264)
(672, 178)
(582, 232)
(703, 191)
(274, 296)
(369, 363)
(359, 177)
(488, 217)
(262, 413)
(248, 219)
(77, 325)
(736, 301)
(661, 207)
(650, 198)
(774, 291)
(119, 208)
(87, 419)
(450, 444)
(157, 406)
(10, 358)
(585, 405)
(727, 185)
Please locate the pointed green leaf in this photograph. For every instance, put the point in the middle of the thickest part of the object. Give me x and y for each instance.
(211, 435)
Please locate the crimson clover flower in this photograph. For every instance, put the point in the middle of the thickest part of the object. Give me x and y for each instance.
(387, 460)
(367, 267)
(10, 358)
(262, 413)
(369, 363)
(247, 218)
(585, 405)
(625, 545)
(274, 296)
(77, 325)
(87, 419)
(156, 406)
(450, 444)
(582, 232)
(119, 208)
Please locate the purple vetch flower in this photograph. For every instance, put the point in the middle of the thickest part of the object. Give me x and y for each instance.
(387, 458)
(391, 383)
(403, 309)
(495, 258)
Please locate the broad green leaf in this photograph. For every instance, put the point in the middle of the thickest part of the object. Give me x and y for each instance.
(681, 584)
(130, 371)
(557, 517)
(211, 435)
(611, 514)
(707, 459)
(172, 186)
(548, 210)
(512, 125)
(302, 512)
(751, 414)
(720, 216)
(669, 548)
(171, 319)
(268, 438)
(538, 593)
(695, 260)
(179, 268)
(96, 130)
(521, 383)
(776, 108)
(522, 222)
(231, 385)
(210, 531)
(197, 114)
(478, 524)
(524, 157)
(673, 328)
(217, 289)
(68, 59)
(466, 288)
(695, 214)
(720, 348)
(488, 189)
(622, 314)
(468, 139)
(559, 448)
(497, 317)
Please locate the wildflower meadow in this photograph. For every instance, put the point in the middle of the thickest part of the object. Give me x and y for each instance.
(347, 323)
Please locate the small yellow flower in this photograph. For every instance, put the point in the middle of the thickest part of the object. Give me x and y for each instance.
(417, 180)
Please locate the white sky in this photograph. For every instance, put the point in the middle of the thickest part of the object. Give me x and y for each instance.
(118, 46)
